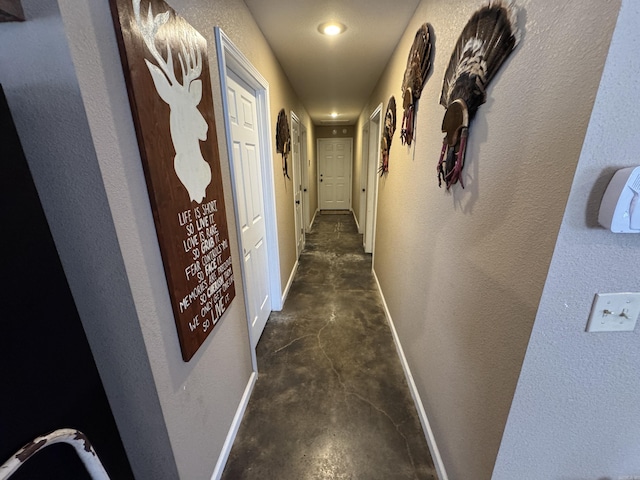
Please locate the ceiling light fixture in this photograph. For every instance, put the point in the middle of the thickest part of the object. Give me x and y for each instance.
(334, 115)
(331, 28)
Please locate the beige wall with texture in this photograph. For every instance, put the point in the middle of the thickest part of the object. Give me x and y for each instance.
(464, 278)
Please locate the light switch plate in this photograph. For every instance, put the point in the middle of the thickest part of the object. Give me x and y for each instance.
(614, 312)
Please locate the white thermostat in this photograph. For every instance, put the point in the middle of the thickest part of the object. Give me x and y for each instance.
(620, 206)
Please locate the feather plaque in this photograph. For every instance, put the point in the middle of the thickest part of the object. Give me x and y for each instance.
(387, 135)
(415, 76)
(283, 140)
(484, 44)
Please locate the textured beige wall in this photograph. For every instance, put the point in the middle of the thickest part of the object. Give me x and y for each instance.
(464, 278)
(356, 178)
(198, 399)
(576, 404)
(341, 131)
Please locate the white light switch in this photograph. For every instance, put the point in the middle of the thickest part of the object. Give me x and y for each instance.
(614, 312)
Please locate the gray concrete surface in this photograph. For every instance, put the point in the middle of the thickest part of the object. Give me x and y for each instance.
(331, 400)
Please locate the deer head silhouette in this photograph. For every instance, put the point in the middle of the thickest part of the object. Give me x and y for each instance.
(186, 123)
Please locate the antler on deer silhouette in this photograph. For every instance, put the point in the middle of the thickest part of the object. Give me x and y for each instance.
(193, 63)
(190, 61)
(149, 31)
(187, 124)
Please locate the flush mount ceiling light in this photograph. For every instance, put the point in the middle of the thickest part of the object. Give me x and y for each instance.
(331, 28)
(334, 115)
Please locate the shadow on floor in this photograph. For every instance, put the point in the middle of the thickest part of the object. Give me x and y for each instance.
(331, 400)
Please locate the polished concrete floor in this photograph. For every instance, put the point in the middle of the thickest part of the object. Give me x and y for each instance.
(331, 400)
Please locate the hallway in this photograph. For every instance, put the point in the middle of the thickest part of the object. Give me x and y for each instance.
(331, 400)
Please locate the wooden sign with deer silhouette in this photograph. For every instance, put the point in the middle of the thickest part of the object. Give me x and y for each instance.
(166, 69)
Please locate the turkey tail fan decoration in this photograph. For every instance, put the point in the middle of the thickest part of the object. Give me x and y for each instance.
(283, 140)
(415, 76)
(484, 44)
(387, 136)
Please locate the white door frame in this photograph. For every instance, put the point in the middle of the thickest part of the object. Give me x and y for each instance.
(230, 58)
(375, 134)
(296, 165)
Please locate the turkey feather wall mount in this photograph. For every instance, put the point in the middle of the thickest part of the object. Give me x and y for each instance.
(484, 44)
(283, 140)
(415, 76)
(387, 135)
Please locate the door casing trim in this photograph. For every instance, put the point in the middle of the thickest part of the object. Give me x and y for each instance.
(295, 166)
(375, 119)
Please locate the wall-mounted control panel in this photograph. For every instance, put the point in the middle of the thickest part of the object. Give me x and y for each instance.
(620, 206)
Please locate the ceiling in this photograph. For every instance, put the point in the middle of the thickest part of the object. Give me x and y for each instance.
(333, 74)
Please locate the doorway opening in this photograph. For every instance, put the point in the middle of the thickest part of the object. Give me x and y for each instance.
(252, 179)
(304, 161)
(364, 159)
(298, 196)
(335, 162)
(375, 132)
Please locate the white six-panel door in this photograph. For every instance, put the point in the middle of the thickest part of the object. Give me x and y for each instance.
(334, 173)
(243, 119)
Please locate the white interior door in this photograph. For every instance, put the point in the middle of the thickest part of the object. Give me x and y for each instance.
(334, 164)
(372, 178)
(250, 202)
(297, 183)
(362, 214)
(304, 161)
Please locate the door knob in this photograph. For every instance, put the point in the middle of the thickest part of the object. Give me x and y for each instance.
(297, 202)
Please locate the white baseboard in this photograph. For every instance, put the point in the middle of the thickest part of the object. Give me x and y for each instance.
(233, 430)
(355, 219)
(289, 282)
(431, 441)
(314, 218)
